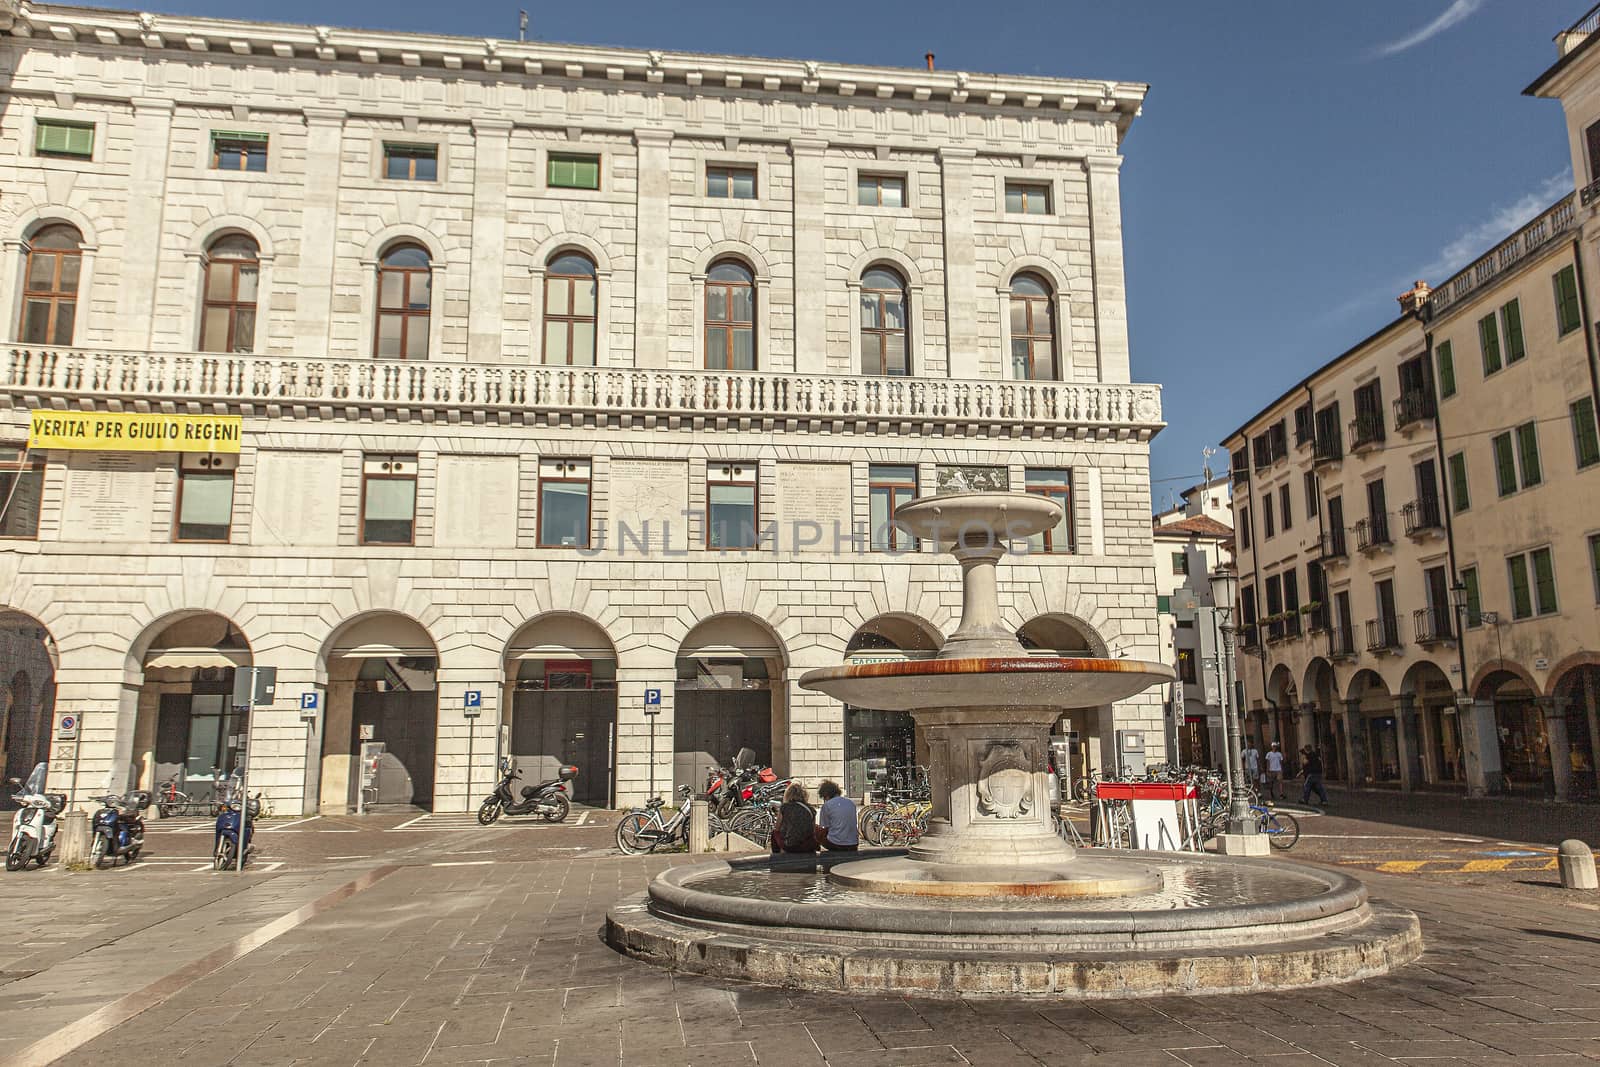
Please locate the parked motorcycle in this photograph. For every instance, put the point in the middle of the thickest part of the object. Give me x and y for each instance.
(33, 828)
(746, 783)
(548, 799)
(118, 828)
(225, 849)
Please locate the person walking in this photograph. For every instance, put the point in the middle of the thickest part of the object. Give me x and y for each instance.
(1275, 772)
(1311, 761)
(796, 830)
(836, 822)
(1252, 765)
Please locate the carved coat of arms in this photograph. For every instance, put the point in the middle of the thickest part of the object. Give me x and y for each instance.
(1005, 785)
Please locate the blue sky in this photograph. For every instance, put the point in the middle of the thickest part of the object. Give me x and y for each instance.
(1296, 165)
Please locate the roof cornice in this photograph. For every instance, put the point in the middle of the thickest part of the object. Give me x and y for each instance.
(1109, 100)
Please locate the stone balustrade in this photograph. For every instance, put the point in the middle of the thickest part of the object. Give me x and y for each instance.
(276, 385)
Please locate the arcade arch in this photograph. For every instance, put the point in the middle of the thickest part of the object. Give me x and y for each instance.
(561, 681)
(27, 695)
(729, 695)
(882, 748)
(1083, 739)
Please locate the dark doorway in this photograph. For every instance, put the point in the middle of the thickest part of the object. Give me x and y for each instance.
(198, 736)
(407, 723)
(566, 712)
(1194, 741)
(712, 725)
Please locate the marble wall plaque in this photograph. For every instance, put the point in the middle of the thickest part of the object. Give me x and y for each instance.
(109, 496)
(972, 480)
(647, 500)
(475, 502)
(809, 493)
(296, 499)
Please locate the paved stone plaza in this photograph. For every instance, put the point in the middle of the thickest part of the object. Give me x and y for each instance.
(482, 947)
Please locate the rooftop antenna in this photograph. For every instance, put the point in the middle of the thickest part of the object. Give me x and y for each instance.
(522, 25)
(1206, 453)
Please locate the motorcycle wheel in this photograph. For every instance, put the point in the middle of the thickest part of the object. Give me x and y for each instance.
(223, 859)
(97, 852)
(489, 812)
(132, 855)
(16, 858)
(561, 806)
(43, 858)
(630, 834)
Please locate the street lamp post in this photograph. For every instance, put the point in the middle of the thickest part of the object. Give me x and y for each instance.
(1224, 586)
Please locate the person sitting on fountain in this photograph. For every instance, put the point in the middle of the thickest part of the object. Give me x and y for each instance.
(796, 830)
(836, 823)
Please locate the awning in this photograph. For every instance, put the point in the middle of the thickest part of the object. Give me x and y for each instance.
(380, 650)
(558, 651)
(196, 658)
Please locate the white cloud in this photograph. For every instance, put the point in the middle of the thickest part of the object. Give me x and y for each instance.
(1474, 241)
(1458, 11)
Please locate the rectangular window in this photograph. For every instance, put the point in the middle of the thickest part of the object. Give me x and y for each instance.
(1511, 328)
(1544, 581)
(205, 497)
(1313, 495)
(1186, 666)
(1460, 500)
(567, 171)
(70, 140)
(411, 162)
(1474, 603)
(1268, 526)
(1489, 343)
(1594, 563)
(1447, 369)
(21, 491)
(1567, 316)
(1303, 431)
(1180, 563)
(564, 503)
(1244, 528)
(1027, 198)
(232, 150)
(1505, 464)
(731, 509)
(1285, 507)
(1057, 485)
(881, 190)
(1163, 605)
(1521, 591)
(1528, 455)
(724, 183)
(388, 500)
(887, 489)
(1585, 436)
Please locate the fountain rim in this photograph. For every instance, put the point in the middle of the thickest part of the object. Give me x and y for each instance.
(1341, 894)
(1023, 664)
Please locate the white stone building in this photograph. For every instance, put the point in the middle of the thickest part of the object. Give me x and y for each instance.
(504, 323)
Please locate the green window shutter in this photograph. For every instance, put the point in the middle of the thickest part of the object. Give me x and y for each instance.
(1511, 317)
(64, 139)
(1459, 498)
(1447, 369)
(1544, 581)
(1567, 316)
(1489, 341)
(1521, 595)
(1469, 578)
(1585, 433)
(1164, 605)
(1528, 454)
(1505, 465)
(574, 172)
(1594, 563)
(237, 135)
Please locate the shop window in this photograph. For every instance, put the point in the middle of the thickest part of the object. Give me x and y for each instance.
(388, 500)
(732, 510)
(887, 489)
(21, 492)
(564, 503)
(205, 497)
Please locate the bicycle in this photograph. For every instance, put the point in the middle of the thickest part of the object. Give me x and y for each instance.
(171, 800)
(644, 830)
(1281, 828)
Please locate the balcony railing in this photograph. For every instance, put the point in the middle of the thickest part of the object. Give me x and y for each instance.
(1366, 431)
(1433, 626)
(1588, 193)
(1383, 635)
(1372, 533)
(1334, 549)
(1551, 225)
(624, 395)
(1282, 629)
(1413, 408)
(1422, 517)
(1328, 449)
(1342, 643)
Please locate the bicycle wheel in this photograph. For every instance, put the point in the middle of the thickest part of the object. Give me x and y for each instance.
(1281, 828)
(754, 825)
(633, 834)
(872, 825)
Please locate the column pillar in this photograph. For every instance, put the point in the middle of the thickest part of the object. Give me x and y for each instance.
(1110, 291)
(651, 273)
(1305, 728)
(486, 303)
(1480, 745)
(960, 267)
(139, 270)
(810, 257)
(1591, 708)
(464, 754)
(637, 670)
(1355, 744)
(319, 232)
(91, 685)
(283, 749)
(1405, 711)
(1428, 740)
(1558, 745)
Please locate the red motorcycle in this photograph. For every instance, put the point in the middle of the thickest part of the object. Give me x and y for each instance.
(727, 790)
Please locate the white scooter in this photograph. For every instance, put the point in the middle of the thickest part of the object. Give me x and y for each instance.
(33, 828)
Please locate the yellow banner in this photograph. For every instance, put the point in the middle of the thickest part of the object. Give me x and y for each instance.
(128, 432)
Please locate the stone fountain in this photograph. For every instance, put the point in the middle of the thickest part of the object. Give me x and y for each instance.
(991, 901)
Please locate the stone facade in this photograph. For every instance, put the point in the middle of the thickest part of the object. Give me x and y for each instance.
(134, 615)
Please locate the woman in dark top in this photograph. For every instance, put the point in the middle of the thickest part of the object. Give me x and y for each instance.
(797, 823)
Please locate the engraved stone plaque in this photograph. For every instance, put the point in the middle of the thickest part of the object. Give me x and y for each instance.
(109, 497)
(647, 500)
(475, 502)
(809, 493)
(296, 499)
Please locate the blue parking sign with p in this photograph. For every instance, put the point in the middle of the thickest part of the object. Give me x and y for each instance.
(652, 697)
(474, 698)
(308, 701)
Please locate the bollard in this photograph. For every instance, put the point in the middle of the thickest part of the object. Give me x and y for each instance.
(72, 839)
(699, 826)
(1577, 865)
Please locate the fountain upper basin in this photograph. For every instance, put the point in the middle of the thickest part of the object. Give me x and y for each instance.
(987, 681)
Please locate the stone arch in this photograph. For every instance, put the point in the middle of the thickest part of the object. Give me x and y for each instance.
(1030, 263)
(204, 234)
(1568, 664)
(1070, 635)
(1318, 680)
(187, 629)
(1282, 692)
(733, 249)
(901, 630)
(560, 679)
(1364, 683)
(1494, 670)
(1421, 677)
(404, 233)
(568, 241)
(903, 264)
(28, 663)
(731, 693)
(1063, 632)
(30, 220)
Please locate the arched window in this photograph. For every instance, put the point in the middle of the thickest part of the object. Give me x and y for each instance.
(50, 286)
(570, 296)
(884, 307)
(730, 316)
(228, 320)
(1033, 329)
(405, 299)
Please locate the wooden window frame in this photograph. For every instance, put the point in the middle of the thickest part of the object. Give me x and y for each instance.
(24, 464)
(727, 171)
(177, 503)
(368, 476)
(55, 296)
(754, 482)
(233, 304)
(879, 334)
(588, 500)
(569, 318)
(1025, 188)
(1063, 495)
(248, 144)
(730, 324)
(878, 179)
(410, 151)
(1030, 335)
(404, 313)
(891, 485)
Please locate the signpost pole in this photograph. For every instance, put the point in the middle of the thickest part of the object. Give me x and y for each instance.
(652, 708)
(471, 708)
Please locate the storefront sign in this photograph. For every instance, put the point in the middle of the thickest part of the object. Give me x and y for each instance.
(97, 431)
